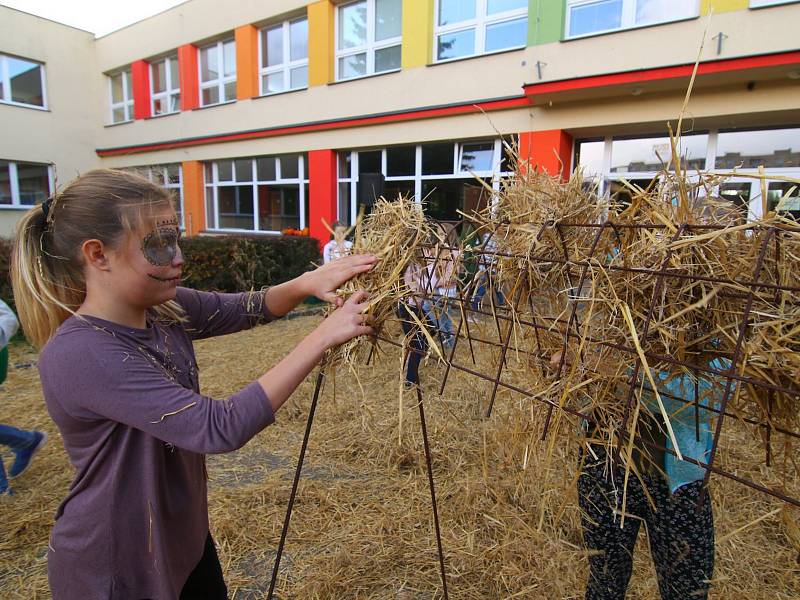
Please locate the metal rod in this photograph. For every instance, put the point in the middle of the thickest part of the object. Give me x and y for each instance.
(296, 481)
(432, 488)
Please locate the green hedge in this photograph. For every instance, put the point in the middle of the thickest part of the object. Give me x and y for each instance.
(231, 264)
(224, 263)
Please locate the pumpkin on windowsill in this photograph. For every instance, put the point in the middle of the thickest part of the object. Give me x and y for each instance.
(291, 231)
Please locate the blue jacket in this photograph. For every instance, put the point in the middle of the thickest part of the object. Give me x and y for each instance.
(682, 418)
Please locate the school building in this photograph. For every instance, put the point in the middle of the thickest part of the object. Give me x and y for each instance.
(278, 114)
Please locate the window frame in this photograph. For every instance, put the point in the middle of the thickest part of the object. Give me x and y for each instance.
(371, 46)
(169, 90)
(627, 18)
(287, 65)
(127, 97)
(6, 81)
(302, 180)
(480, 23)
(13, 179)
(220, 81)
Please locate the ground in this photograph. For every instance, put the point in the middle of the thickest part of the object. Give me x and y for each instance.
(362, 525)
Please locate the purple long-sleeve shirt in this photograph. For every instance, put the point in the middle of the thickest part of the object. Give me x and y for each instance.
(136, 429)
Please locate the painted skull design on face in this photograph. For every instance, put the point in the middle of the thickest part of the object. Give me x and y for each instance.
(160, 246)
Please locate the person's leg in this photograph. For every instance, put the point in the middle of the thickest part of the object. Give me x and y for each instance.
(206, 581)
(610, 547)
(480, 290)
(446, 326)
(4, 487)
(15, 438)
(417, 343)
(681, 541)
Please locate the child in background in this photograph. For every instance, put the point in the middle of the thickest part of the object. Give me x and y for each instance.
(96, 273)
(23, 443)
(339, 246)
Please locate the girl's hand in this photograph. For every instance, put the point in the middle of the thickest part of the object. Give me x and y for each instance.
(346, 322)
(324, 281)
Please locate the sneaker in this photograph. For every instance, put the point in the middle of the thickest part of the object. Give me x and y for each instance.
(23, 458)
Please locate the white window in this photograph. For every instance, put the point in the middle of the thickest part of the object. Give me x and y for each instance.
(266, 194)
(605, 163)
(368, 37)
(442, 173)
(589, 17)
(169, 177)
(283, 59)
(24, 184)
(121, 87)
(218, 73)
(165, 90)
(470, 27)
(760, 3)
(22, 82)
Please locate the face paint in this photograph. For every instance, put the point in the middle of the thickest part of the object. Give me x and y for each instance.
(160, 247)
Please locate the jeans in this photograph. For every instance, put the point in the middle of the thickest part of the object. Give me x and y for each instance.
(418, 343)
(16, 439)
(484, 283)
(437, 312)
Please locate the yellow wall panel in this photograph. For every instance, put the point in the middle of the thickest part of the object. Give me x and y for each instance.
(722, 5)
(417, 33)
(320, 42)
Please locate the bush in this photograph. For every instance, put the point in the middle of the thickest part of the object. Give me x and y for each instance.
(223, 264)
(232, 264)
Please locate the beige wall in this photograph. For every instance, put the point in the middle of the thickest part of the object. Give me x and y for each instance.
(66, 133)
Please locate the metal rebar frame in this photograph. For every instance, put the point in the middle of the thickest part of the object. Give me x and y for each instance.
(513, 315)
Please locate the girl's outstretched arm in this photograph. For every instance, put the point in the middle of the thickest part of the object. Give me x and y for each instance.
(321, 282)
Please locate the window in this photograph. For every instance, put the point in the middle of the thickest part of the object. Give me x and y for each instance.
(441, 175)
(606, 163)
(218, 73)
(24, 184)
(266, 194)
(165, 87)
(760, 3)
(772, 148)
(469, 27)
(21, 82)
(589, 17)
(284, 57)
(169, 177)
(368, 37)
(121, 97)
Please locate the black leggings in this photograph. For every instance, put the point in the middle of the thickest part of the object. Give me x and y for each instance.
(205, 581)
(681, 537)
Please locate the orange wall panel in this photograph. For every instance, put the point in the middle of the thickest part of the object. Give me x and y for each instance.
(187, 67)
(549, 151)
(246, 62)
(194, 203)
(320, 42)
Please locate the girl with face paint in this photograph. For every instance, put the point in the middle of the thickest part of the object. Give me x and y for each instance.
(96, 274)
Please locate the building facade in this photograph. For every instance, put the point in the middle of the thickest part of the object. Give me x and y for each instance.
(264, 116)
